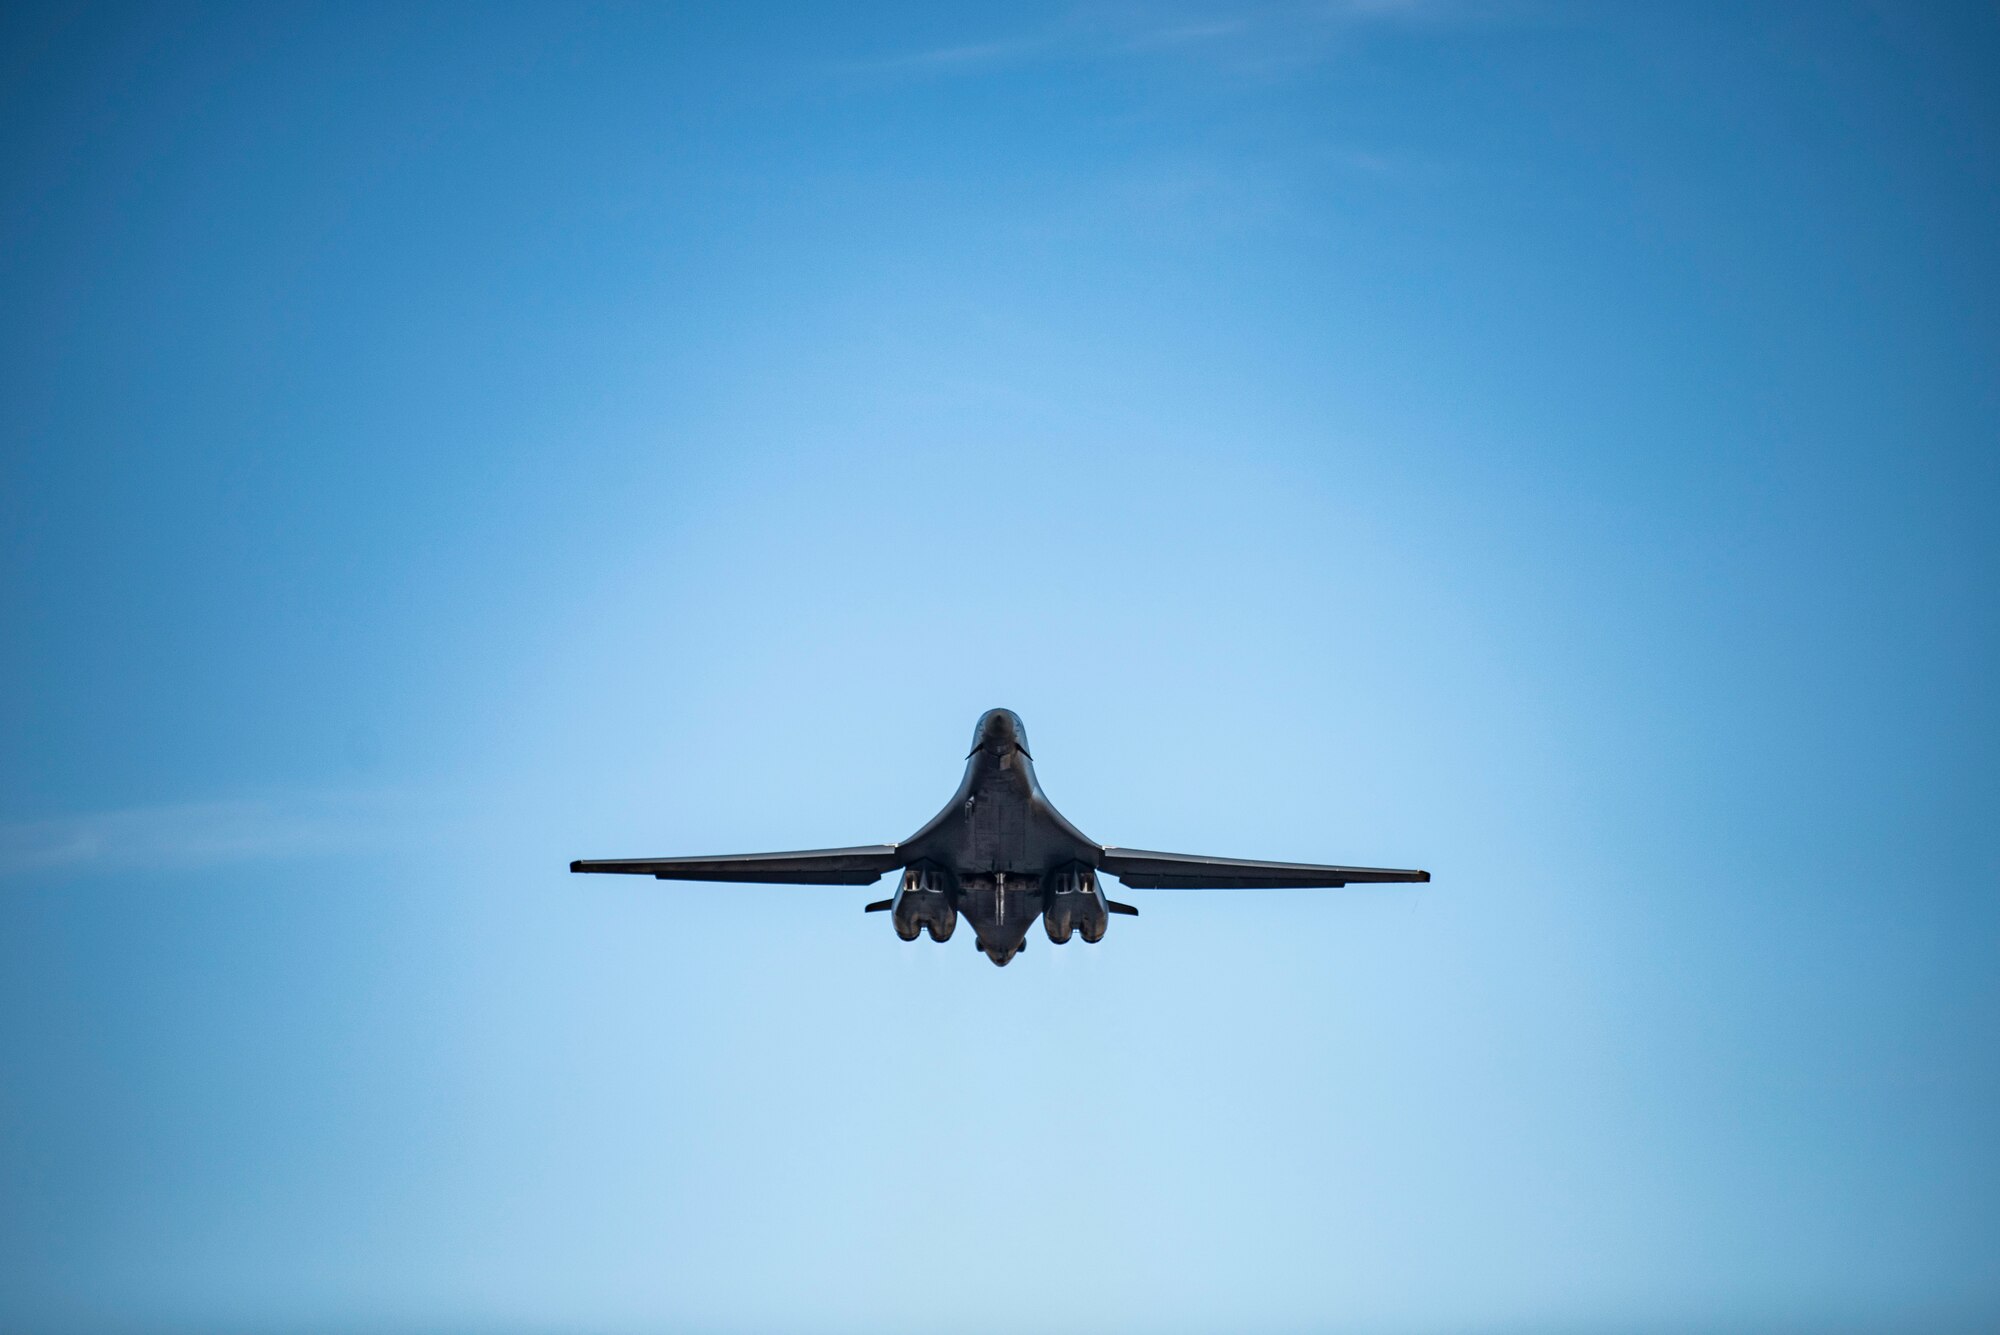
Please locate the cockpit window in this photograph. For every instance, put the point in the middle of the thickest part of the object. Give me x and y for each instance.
(997, 727)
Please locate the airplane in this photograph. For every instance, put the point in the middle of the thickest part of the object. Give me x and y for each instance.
(1001, 855)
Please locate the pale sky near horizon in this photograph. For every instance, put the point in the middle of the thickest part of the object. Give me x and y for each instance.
(1551, 445)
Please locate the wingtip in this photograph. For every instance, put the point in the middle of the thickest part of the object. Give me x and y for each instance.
(1423, 878)
(577, 865)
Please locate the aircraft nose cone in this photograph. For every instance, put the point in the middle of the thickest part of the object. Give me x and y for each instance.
(1000, 729)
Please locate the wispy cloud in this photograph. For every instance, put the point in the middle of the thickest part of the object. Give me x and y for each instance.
(1187, 34)
(201, 834)
(1257, 36)
(960, 58)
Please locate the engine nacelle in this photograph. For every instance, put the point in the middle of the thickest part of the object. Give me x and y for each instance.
(924, 901)
(1073, 903)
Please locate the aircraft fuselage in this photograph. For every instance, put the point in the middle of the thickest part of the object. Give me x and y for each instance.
(1000, 854)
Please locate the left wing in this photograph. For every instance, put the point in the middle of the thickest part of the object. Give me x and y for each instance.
(1186, 871)
(818, 866)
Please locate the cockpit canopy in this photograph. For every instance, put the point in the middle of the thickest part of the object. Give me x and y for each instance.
(999, 729)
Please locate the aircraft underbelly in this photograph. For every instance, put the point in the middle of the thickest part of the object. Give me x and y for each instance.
(1001, 907)
(997, 835)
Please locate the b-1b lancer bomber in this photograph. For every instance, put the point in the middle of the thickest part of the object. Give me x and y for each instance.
(1002, 855)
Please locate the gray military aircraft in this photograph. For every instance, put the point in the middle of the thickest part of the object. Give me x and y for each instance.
(1001, 854)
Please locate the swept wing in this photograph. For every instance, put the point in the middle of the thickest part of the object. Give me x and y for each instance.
(816, 866)
(1144, 870)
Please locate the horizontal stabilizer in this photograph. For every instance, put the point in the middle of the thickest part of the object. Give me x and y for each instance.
(879, 906)
(1125, 909)
(819, 866)
(1144, 870)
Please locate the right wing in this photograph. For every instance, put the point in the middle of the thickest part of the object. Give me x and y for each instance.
(1186, 871)
(819, 866)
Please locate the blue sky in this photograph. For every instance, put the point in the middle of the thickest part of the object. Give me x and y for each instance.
(1549, 445)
